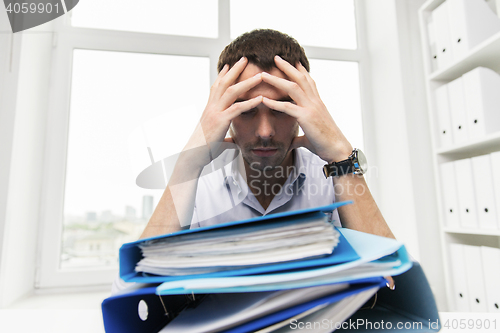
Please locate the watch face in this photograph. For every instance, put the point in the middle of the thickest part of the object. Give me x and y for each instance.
(360, 162)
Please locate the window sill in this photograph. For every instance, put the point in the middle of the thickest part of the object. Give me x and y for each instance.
(56, 313)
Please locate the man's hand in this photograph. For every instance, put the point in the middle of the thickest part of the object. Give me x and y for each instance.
(221, 108)
(322, 135)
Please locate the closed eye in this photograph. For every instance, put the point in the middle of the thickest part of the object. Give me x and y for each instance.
(249, 112)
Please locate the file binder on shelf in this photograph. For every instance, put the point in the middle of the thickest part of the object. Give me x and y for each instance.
(485, 195)
(443, 117)
(431, 33)
(491, 271)
(466, 193)
(440, 21)
(482, 99)
(471, 22)
(458, 111)
(475, 279)
(460, 289)
(450, 200)
(495, 165)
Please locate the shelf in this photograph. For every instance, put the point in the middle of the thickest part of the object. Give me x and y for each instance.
(430, 5)
(481, 232)
(486, 54)
(478, 147)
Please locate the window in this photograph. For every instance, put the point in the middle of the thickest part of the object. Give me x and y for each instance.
(102, 202)
(127, 80)
(185, 18)
(322, 23)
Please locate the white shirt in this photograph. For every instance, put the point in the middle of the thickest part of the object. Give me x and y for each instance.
(223, 195)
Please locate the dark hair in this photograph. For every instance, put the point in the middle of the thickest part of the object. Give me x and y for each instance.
(260, 46)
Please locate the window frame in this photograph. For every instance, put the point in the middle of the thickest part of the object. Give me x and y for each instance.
(67, 39)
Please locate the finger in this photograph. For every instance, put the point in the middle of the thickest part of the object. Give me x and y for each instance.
(214, 87)
(231, 76)
(390, 283)
(286, 107)
(237, 108)
(291, 88)
(304, 71)
(238, 89)
(223, 71)
(294, 74)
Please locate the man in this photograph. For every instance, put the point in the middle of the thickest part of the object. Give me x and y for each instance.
(262, 95)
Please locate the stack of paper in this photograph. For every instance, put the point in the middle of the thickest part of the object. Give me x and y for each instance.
(237, 247)
(263, 275)
(219, 312)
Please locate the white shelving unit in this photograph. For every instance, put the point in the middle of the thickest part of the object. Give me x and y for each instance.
(485, 54)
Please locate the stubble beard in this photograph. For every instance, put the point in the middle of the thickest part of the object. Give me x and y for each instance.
(258, 162)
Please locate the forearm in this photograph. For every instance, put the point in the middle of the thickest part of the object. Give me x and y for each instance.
(364, 214)
(175, 208)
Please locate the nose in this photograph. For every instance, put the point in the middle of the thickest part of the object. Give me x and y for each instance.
(265, 125)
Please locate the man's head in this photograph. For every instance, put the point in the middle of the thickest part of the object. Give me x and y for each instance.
(260, 46)
(264, 135)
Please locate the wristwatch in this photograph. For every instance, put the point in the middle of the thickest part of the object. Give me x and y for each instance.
(355, 163)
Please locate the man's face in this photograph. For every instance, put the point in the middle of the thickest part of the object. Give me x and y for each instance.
(263, 135)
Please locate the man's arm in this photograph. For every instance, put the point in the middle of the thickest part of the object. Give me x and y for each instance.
(324, 138)
(175, 208)
(364, 214)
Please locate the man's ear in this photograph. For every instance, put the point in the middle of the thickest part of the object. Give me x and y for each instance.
(230, 133)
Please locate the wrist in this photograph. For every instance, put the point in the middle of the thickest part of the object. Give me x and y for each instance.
(340, 152)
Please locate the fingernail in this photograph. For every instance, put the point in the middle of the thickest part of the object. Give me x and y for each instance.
(258, 75)
(265, 74)
(277, 56)
(241, 59)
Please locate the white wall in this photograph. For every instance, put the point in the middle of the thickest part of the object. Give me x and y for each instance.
(8, 87)
(23, 111)
(389, 123)
(420, 145)
(406, 192)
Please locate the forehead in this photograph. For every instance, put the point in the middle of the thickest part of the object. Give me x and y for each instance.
(263, 88)
(253, 69)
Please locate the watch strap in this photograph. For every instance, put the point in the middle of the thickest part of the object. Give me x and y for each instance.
(339, 168)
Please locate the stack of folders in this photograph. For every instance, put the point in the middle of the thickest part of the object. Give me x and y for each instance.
(471, 193)
(455, 27)
(223, 292)
(467, 108)
(238, 247)
(475, 272)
